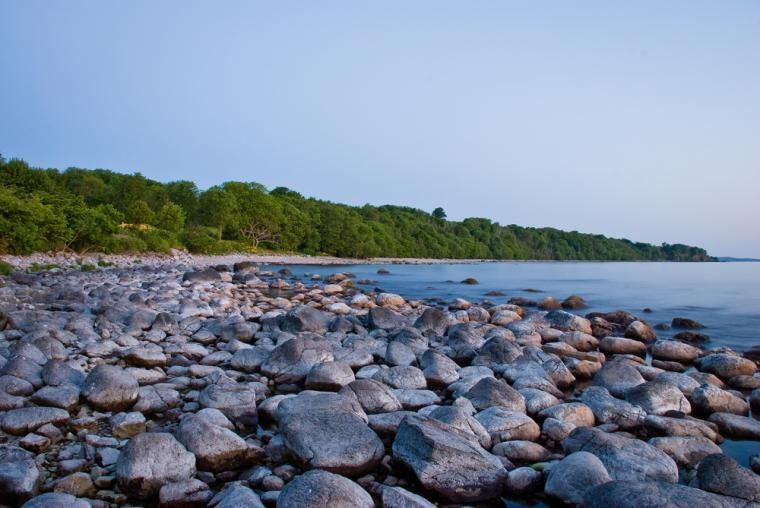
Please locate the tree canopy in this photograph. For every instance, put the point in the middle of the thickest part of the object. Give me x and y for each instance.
(101, 210)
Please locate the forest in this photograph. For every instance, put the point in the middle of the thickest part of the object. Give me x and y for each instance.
(98, 210)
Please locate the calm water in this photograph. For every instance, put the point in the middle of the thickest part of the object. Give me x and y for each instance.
(725, 297)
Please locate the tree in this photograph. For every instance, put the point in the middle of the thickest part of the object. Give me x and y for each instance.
(140, 213)
(171, 217)
(439, 213)
(255, 233)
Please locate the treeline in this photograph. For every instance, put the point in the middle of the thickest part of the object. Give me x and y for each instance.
(103, 211)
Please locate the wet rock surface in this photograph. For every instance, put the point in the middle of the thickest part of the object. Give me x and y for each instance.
(177, 385)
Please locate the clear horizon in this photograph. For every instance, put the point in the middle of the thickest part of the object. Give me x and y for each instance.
(633, 121)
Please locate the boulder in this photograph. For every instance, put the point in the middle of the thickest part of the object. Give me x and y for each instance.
(635, 494)
(396, 497)
(150, 460)
(676, 351)
(726, 365)
(489, 392)
(319, 489)
(447, 461)
(56, 500)
(687, 451)
(305, 319)
(736, 426)
(373, 396)
(27, 419)
(215, 447)
(329, 376)
(19, 476)
(624, 458)
(570, 478)
(720, 474)
(236, 401)
(110, 388)
(292, 360)
(640, 331)
(506, 425)
(329, 431)
(711, 399)
(617, 377)
(658, 397)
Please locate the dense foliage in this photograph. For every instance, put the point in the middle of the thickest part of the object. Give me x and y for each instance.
(99, 210)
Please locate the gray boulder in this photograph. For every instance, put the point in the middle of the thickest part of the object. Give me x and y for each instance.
(489, 392)
(291, 361)
(608, 409)
(319, 489)
(721, 474)
(236, 401)
(109, 388)
(373, 396)
(687, 451)
(737, 426)
(305, 319)
(570, 478)
(27, 419)
(633, 494)
(708, 399)
(396, 497)
(19, 476)
(55, 500)
(624, 458)
(216, 448)
(447, 461)
(658, 397)
(617, 377)
(150, 460)
(329, 431)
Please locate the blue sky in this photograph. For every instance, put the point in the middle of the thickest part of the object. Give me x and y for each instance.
(630, 119)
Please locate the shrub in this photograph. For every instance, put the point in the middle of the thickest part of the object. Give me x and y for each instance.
(87, 267)
(5, 268)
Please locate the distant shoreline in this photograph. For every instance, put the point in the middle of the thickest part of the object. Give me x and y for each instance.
(71, 260)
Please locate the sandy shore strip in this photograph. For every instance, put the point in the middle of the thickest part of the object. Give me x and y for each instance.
(70, 260)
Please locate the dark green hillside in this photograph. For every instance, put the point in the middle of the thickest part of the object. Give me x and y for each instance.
(99, 210)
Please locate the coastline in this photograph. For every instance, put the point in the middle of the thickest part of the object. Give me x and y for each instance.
(71, 260)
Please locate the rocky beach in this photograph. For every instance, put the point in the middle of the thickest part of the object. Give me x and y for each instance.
(185, 381)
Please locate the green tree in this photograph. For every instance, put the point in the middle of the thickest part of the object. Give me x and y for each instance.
(139, 212)
(171, 217)
(439, 213)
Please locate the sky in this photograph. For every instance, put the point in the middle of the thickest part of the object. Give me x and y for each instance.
(638, 120)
